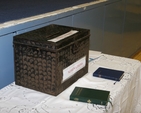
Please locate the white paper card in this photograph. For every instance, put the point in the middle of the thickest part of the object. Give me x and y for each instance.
(63, 36)
(73, 68)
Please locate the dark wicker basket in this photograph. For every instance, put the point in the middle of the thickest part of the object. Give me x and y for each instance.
(39, 63)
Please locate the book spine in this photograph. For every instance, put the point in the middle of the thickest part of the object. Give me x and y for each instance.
(88, 100)
(106, 77)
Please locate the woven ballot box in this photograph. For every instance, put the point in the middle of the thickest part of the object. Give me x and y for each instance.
(51, 58)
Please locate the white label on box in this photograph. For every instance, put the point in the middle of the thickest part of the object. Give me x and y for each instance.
(73, 68)
(63, 36)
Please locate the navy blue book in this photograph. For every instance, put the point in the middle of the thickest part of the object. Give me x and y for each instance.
(109, 74)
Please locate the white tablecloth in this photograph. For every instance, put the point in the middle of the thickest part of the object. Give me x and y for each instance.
(125, 95)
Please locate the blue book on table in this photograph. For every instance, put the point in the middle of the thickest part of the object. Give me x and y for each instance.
(109, 74)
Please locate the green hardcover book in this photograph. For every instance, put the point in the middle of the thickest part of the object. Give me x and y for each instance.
(88, 95)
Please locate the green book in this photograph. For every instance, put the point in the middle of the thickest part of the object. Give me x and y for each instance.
(88, 95)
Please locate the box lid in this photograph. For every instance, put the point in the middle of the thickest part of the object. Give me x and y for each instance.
(52, 36)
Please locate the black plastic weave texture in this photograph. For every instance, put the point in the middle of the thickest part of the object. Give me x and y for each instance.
(39, 64)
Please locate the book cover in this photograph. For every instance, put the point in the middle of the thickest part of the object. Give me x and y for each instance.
(88, 95)
(109, 74)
